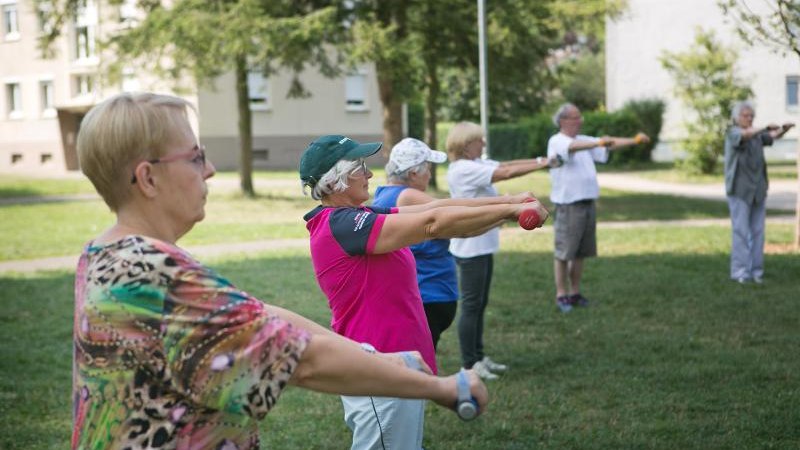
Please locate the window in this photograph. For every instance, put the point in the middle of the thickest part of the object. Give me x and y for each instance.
(10, 22)
(258, 91)
(355, 90)
(792, 85)
(46, 97)
(13, 100)
(84, 42)
(43, 17)
(82, 85)
(127, 11)
(84, 30)
(129, 81)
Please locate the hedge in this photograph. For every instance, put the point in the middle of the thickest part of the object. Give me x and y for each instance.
(528, 137)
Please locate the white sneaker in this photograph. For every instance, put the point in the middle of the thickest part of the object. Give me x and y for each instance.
(483, 372)
(493, 366)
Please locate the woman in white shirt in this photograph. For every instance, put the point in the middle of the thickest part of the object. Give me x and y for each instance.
(470, 176)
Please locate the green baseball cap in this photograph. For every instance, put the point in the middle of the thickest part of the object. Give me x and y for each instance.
(322, 154)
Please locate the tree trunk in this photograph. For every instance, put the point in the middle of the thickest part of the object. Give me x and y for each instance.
(797, 205)
(392, 110)
(245, 128)
(431, 118)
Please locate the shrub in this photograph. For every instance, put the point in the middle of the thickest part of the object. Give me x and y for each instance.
(650, 113)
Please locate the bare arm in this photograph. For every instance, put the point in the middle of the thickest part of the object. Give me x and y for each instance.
(414, 201)
(610, 142)
(337, 366)
(402, 230)
(317, 330)
(518, 167)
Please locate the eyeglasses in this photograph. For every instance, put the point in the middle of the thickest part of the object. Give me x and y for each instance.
(196, 155)
(361, 170)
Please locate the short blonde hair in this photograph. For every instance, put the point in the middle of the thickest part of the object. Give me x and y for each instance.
(122, 131)
(460, 136)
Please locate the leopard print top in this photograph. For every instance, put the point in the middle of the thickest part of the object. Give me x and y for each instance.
(169, 355)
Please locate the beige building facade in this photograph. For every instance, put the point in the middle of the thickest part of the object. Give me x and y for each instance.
(42, 101)
(636, 41)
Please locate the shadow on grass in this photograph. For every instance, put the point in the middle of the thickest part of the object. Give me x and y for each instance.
(671, 354)
(13, 192)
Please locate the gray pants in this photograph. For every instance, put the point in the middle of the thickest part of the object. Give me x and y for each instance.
(747, 243)
(474, 278)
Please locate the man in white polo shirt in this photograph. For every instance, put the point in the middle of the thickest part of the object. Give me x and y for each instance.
(574, 191)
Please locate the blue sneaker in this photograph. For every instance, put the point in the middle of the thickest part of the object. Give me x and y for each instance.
(563, 304)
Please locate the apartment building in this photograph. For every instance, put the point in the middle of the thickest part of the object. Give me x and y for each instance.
(636, 41)
(42, 100)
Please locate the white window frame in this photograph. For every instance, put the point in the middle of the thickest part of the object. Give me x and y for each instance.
(795, 79)
(10, 28)
(128, 12)
(355, 91)
(130, 82)
(83, 84)
(85, 19)
(12, 91)
(258, 91)
(47, 108)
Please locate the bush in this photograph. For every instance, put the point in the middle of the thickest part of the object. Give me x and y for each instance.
(528, 137)
(650, 113)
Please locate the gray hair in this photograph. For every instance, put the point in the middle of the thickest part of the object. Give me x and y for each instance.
(739, 106)
(560, 113)
(334, 180)
(395, 176)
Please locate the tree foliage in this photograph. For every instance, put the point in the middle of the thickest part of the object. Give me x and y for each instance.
(777, 28)
(198, 40)
(705, 81)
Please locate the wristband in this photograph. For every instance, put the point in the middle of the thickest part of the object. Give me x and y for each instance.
(368, 347)
(411, 362)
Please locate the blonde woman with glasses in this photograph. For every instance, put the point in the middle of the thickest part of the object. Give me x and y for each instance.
(167, 352)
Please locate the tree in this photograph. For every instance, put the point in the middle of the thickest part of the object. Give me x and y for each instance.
(201, 40)
(706, 83)
(778, 27)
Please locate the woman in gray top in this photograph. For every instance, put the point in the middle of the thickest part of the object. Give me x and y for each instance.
(746, 187)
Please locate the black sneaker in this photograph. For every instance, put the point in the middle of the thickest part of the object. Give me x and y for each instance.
(578, 300)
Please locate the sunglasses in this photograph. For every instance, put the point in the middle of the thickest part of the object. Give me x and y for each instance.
(361, 170)
(196, 155)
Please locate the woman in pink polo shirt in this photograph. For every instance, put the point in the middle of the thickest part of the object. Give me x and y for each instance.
(365, 269)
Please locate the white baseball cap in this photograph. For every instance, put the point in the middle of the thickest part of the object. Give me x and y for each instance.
(409, 152)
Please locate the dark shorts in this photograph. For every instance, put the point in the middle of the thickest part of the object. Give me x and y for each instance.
(575, 230)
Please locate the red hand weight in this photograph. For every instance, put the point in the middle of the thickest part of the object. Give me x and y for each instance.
(529, 218)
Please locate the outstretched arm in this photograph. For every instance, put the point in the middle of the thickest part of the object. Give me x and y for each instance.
(518, 167)
(334, 364)
(402, 230)
(616, 143)
(414, 201)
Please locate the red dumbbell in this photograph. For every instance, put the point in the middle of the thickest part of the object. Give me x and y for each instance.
(529, 218)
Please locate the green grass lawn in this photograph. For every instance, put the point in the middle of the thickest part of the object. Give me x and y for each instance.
(30, 231)
(21, 186)
(668, 172)
(671, 354)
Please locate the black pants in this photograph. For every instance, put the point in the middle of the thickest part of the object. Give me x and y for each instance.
(440, 316)
(474, 279)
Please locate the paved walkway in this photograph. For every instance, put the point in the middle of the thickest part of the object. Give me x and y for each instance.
(783, 195)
